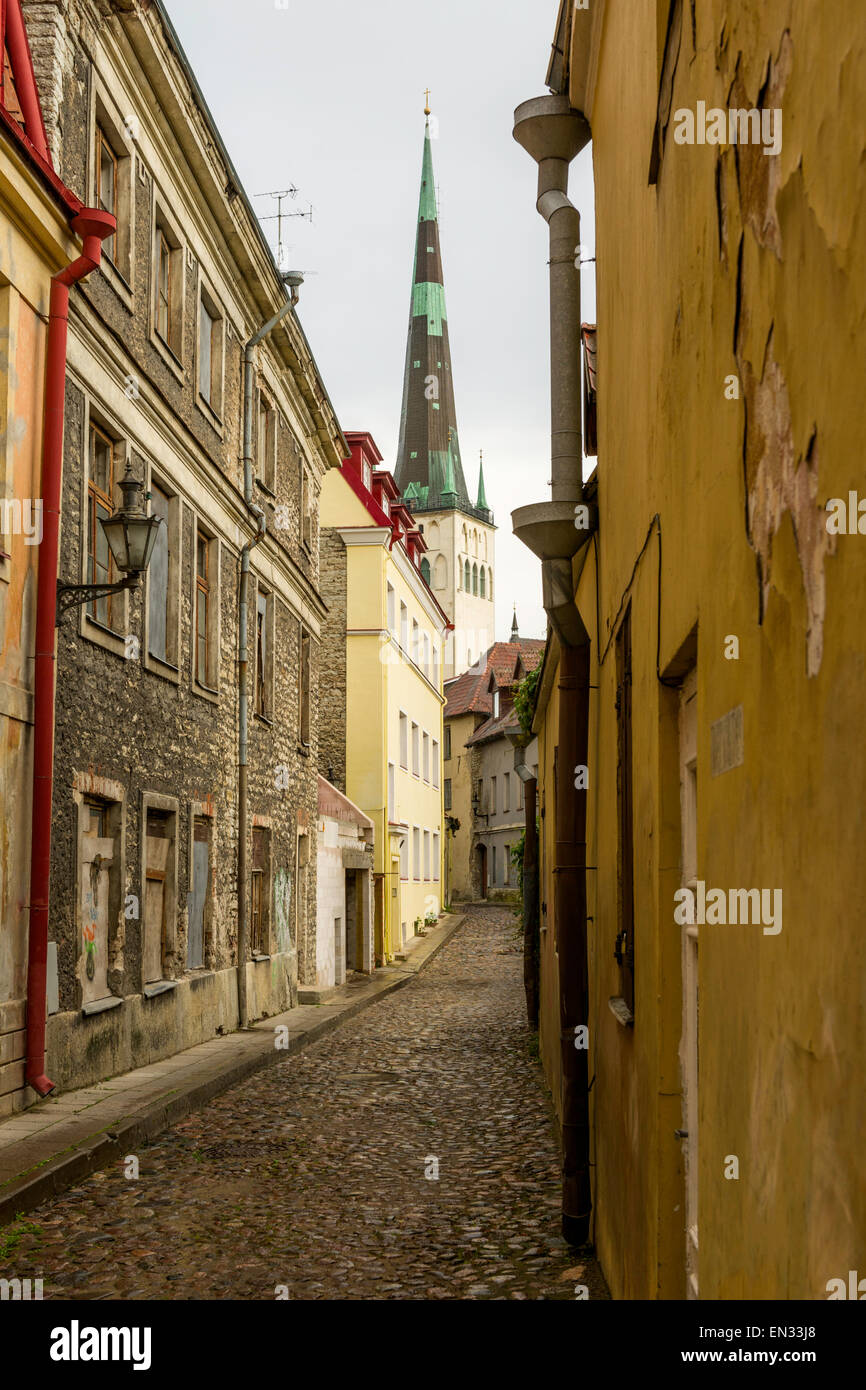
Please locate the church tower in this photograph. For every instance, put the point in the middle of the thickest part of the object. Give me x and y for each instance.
(459, 564)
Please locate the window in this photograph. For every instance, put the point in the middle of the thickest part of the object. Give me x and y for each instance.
(404, 742)
(266, 454)
(425, 569)
(306, 510)
(260, 892)
(160, 899)
(392, 610)
(416, 645)
(435, 756)
(426, 756)
(496, 704)
(162, 596)
(264, 653)
(416, 853)
(205, 611)
(404, 858)
(493, 796)
(416, 751)
(200, 896)
(492, 863)
(304, 687)
(506, 791)
(475, 579)
(392, 791)
(447, 745)
(467, 577)
(404, 628)
(624, 948)
(100, 504)
(506, 865)
(368, 476)
(427, 856)
(519, 795)
(446, 792)
(107, 185)
(168, 287)
(210, 352)
(435, 666)
(435, 856)
(482, 583)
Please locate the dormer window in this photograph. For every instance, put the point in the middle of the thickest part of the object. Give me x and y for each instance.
(386, 505)
(496, 704)
(368, 476)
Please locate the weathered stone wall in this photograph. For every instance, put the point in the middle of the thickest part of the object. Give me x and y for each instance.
(126, 729)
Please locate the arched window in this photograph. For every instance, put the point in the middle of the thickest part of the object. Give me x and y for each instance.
(475, 579)
(490, 584)
(440, 572)
(484, 544)
(483, 583)
(467, 582)
(425, 569)
(432, 536)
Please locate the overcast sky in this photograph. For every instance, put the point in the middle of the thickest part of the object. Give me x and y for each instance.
(328, 95)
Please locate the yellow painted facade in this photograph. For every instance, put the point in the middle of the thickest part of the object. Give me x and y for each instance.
(730, 365)
(394, 705)
(458, 771)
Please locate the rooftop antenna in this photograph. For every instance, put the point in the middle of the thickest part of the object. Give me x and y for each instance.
(281, 194)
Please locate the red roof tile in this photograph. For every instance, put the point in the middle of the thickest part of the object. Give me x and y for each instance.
(469, 693)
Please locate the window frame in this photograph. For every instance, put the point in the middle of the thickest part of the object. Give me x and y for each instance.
(210, 688)
(169, 665)
(208, 304)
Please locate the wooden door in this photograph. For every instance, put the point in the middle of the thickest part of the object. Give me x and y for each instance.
(97, 856)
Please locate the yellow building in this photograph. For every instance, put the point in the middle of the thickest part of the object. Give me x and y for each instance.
(382, 661)
(704, 675)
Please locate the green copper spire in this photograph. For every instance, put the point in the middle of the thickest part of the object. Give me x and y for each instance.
(482, 497)
(428, 452)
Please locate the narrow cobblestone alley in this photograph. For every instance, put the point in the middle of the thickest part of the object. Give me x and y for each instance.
(311, 1175)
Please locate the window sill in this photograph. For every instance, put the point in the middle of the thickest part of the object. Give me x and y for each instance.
(117, 280)
(212, 416)
(621, 1011)
(158, 987)
(101, 1006)
(92, 630)
(166, 670)
(304, 750)
(258, 959)
(205, 692)
(263, 487)
(168, 355)
(266, 719)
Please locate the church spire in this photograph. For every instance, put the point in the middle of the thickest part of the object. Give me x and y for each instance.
(428, 453)
(481, 504)
(515, 635)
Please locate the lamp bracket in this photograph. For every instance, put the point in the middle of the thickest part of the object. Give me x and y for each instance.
(73, 595)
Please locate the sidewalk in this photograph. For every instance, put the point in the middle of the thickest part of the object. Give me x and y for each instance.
(54, 1144)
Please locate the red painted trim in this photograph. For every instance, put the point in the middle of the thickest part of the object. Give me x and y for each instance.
(93, 226)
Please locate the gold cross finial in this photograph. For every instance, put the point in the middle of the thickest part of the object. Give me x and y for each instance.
(427, 102)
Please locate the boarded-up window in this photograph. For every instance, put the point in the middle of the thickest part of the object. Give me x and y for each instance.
(106, 183)
(200, 897)
(262, 653)
(158, 848)
(624, 951)
(267, 443)
(96, 860)
(260, 891)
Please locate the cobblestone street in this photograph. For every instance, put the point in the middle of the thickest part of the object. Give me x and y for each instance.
(311, 1175)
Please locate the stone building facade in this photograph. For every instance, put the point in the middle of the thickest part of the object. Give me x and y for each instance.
(144, 892)
(486, 808)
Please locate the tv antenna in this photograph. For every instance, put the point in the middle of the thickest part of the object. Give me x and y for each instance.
(281, 194)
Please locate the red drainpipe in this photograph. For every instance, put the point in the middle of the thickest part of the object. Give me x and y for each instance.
(93, 225)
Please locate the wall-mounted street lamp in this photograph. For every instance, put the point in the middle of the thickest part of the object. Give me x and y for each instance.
(131, 535)
(477, 811)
